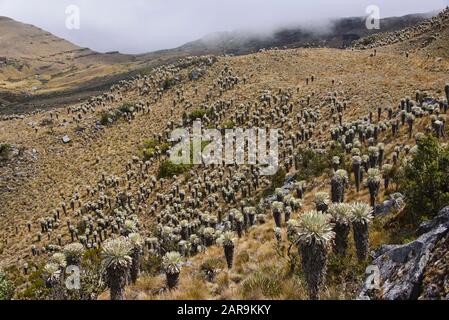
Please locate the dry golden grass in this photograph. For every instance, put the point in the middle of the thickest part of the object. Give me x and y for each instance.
(260, 273)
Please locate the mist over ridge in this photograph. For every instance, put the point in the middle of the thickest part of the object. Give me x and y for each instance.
(138, 26)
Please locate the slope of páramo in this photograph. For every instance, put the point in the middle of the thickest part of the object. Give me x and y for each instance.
(363, 162)
(39, 70)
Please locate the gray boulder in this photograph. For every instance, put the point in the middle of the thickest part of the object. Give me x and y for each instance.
(196, 74)
(66, 139)
(441, 219)
(396, 201)
(402, 267)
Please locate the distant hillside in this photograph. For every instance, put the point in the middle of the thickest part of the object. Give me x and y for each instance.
(33, 60)
(19, 40)
(431, 37)
(37, 67)
(339, 34)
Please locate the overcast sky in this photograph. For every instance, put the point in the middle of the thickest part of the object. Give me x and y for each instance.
(137, 26)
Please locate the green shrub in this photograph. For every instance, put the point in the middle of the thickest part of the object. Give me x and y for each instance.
(150, 146)
(168, 83)
(424, 179)
(204, 144)
(229, 125)
(311, 165)
(345, 269)
(148, 153)
(314, 165)
(153, 265)
(81, 226)
(92, 284)
(151, 143)
(277, 181)
(5, 150)
(198, 114)
(368, 40)
(168, 169)
(127, 107)
(6, 287)
(107, 118)
(37, 290)
(92, 259)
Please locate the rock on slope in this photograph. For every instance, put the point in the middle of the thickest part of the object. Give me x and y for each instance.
(436, 278)
(415, 270)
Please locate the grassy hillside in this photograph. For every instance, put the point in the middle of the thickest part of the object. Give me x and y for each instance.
(42, 171)
(35, 61)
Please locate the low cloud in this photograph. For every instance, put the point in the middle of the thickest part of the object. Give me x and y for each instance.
(137, 26)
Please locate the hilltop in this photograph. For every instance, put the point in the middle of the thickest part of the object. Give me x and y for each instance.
(336, 33)
(35, 61)
(39, 70)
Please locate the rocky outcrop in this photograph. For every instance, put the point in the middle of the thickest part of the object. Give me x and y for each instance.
(196, 74)
(396, 201)
(436, 278)
(402, 268)
(441, 219)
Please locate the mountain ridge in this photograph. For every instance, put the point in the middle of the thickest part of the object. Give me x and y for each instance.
(339, 34)
(50, 66)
